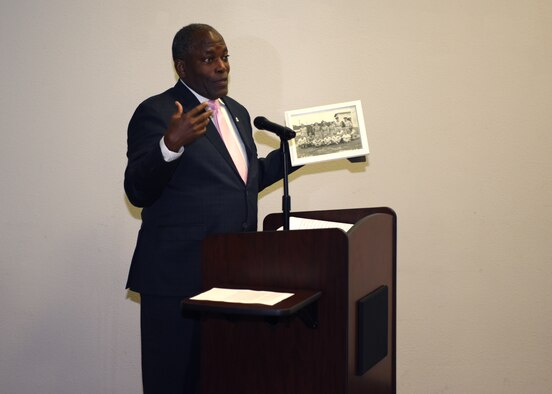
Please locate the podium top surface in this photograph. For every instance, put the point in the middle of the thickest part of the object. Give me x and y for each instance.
(351, 216)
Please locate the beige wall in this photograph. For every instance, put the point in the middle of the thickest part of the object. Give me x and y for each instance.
(456, 97)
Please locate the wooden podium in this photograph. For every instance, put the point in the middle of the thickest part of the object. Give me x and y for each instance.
(336, 335)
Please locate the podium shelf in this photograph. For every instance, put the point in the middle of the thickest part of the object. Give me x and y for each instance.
(301, 303)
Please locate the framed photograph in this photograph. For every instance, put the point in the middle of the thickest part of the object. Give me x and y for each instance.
(327, 132)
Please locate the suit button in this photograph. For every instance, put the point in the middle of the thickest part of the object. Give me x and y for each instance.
(244, 226)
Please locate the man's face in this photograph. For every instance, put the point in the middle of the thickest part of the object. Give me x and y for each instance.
(206, 69)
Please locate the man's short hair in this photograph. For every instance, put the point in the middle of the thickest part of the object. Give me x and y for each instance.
(184, 40)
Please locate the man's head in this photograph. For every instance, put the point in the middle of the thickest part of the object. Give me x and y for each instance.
(201, 60)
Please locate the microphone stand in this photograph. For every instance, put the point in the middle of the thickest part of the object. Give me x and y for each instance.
(285, 135)
(286, 199)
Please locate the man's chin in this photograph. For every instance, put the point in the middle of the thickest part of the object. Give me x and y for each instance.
(218, 94)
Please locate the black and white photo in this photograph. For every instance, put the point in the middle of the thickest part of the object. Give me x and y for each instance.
(327, 132)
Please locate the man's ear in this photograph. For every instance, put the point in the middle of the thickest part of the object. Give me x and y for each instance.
(180, 68)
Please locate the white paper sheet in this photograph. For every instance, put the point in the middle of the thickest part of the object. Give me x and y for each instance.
(309, 224)
(242, 296)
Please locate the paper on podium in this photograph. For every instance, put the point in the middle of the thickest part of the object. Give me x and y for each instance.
(296, 223)
(242, 296)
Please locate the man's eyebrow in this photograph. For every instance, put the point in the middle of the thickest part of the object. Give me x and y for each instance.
(212, 49)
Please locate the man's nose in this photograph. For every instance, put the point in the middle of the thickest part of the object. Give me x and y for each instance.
(222, 66)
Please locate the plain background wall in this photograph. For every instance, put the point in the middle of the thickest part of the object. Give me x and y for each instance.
(457, 101)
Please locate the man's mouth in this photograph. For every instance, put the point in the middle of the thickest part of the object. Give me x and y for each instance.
(222, 82)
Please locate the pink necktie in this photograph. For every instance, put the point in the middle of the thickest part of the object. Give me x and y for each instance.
(229, 139)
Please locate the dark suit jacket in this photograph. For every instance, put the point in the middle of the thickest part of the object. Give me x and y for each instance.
(200, 193)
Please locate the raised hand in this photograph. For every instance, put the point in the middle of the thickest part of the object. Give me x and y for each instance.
(186, 127)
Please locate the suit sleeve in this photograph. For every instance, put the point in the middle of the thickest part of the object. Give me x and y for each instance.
(271, 168)
(147, 173)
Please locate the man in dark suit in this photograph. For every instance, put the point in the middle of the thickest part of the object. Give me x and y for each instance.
(182, 174)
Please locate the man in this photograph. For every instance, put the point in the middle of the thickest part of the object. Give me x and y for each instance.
(182, 173)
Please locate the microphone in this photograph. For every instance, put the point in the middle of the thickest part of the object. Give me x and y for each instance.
(283, 132)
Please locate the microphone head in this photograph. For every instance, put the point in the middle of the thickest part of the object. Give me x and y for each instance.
(260, 122)
(263, 123)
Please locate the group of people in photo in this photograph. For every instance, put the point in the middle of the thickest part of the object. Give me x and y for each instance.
(325, 133)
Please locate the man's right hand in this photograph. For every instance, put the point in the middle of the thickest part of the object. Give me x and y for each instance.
(185, 128)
